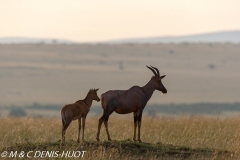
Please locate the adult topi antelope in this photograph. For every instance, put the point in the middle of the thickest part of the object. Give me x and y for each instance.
(132, 100)
(77, 111)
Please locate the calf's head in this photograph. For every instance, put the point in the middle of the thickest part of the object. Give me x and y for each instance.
(93, 94)
(157, 80)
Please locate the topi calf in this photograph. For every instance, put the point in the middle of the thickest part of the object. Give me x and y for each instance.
(77, 111)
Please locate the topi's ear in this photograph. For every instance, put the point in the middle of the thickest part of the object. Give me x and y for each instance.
(96, 89)
(162, 76)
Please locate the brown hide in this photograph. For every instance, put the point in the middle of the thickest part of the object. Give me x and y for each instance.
(132, 100)
(77, 110)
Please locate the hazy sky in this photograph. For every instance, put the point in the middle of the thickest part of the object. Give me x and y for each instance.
(97, 20)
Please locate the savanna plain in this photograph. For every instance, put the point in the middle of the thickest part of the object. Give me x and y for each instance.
(41, 75)
(194, 137)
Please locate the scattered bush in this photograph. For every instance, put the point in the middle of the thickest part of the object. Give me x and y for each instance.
(17, 112)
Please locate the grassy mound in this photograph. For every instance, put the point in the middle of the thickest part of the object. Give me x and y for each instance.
(126, 149)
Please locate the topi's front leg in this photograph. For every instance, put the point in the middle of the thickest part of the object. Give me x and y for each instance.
(139, 131)
(139, 117)
(106, 125)
(135, 125)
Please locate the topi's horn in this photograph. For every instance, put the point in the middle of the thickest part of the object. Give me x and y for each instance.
(154, 72)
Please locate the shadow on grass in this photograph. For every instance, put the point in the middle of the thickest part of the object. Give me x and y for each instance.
(127, 148)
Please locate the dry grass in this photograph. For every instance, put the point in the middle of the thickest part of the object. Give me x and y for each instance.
(193, 132)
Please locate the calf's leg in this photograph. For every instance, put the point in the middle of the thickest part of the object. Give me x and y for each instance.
(79, 129)
(64, 128)
(83, 127)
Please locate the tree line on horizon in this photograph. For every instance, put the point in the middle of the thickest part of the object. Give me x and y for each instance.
(151, 109)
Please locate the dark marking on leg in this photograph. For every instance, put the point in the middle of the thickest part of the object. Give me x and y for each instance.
(135, 125)
(139, 118)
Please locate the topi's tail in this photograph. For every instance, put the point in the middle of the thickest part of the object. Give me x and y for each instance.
(103, 102)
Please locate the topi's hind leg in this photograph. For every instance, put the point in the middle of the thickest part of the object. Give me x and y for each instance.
(106, 126)
(104, 119)
(106, 116)
(99, 126)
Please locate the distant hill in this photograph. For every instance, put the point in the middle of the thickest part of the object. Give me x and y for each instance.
(22, 40)
(214, 37)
